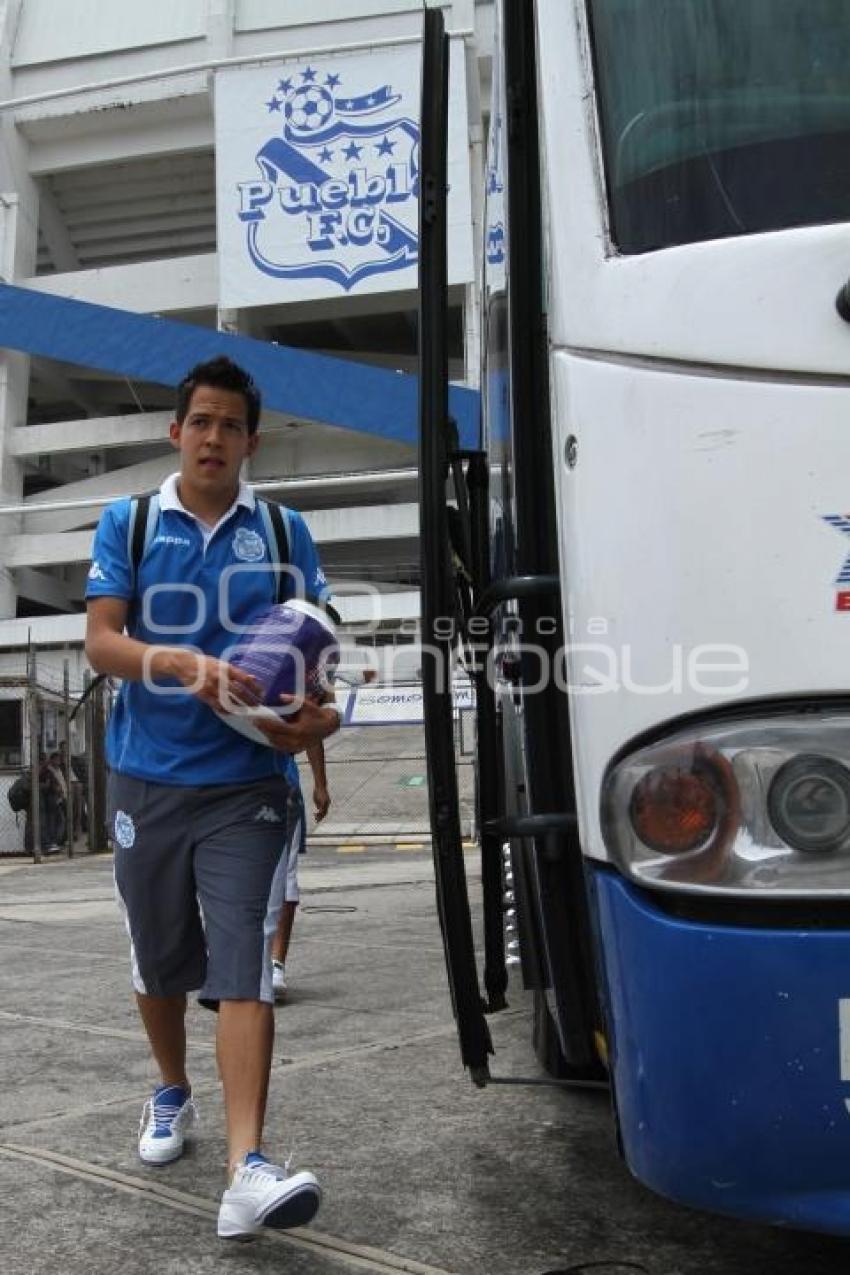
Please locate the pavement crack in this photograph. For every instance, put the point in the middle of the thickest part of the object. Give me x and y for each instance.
(357, 1256)
(87, 1029)
(280, 1066)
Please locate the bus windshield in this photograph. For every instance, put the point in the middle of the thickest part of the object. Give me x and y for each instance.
(722, 117)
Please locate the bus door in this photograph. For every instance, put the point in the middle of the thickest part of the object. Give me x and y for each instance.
(442, 565)
(503, 554)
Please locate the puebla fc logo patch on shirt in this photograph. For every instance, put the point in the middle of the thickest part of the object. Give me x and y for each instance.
(125, 830)
(248, 546)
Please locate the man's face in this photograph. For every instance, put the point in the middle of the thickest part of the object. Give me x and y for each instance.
(213, 439)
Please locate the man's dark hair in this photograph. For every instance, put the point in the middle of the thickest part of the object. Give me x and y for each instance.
(221, 374)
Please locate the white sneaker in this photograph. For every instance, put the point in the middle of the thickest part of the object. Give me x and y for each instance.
(166, 1117)
(262, 1194)
(279, 980)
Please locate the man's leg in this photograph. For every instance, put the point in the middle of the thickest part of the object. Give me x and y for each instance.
(152, 828)
(244, 1052)
(283, 933)
(170, 1113)
(286, 920)
(240, 843)
(237, 858)
(164, 1018)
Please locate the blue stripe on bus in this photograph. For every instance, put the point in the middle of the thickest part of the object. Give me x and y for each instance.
(726, 1059)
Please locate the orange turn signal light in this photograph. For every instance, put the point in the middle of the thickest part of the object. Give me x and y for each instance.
(673, 811)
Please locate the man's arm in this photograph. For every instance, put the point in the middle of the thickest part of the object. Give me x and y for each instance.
(217, 684)
(321, 796)
(110, 650)
(305, 723)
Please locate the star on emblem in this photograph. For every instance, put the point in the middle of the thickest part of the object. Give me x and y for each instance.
(841, 523)
(353, 151)
(284, 86)
(326, 155)
(385, 147)
(274, 104)
(308, 75)
(332, 81)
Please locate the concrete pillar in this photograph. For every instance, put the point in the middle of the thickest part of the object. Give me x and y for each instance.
(220, 20)
(18, 247)
(228, 321)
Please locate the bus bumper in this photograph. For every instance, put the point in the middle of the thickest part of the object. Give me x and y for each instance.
(728, 1060)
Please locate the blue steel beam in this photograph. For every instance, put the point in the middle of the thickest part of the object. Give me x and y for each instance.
(313, 386)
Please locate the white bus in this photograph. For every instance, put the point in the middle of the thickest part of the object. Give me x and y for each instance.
(653, 584)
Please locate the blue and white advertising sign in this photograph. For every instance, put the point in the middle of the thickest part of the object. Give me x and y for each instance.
(317, 177)
(399, 705)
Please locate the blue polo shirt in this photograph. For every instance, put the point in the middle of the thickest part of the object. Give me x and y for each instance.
(202, 590)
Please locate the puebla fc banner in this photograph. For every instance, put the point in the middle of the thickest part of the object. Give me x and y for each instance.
(317, 177)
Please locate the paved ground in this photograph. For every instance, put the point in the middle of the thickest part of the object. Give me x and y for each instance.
(376, 775)
(423, 1173)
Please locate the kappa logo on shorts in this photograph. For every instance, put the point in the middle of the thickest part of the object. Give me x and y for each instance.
(248, 545)
(266, 814)
(125, 830)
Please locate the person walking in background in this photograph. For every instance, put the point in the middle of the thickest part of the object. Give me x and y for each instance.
(296, 845)
(79, 772)
(47, 811)
(58, 801)
(197, 809)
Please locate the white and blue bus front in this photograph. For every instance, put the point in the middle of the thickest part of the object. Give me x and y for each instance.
(697, 201)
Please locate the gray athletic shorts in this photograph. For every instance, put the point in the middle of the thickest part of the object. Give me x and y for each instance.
(200, 875)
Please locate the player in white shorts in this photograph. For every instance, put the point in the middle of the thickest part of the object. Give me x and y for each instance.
(297, 845)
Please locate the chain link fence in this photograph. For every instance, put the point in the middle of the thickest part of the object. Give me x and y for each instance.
(377, 780)
(53, 754)
(377, 767)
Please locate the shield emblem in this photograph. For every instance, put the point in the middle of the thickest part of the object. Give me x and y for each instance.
(338, 191)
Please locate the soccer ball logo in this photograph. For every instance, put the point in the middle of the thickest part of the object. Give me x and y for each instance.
(309, 109)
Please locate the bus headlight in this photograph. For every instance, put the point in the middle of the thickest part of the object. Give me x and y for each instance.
(809, 803)
(736, 806)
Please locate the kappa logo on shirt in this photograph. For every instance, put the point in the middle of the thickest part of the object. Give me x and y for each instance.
(172, 540)
(96, 572)
(266, 814)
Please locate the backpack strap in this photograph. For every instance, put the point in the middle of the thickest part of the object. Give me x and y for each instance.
(276, 526)
(144, 511)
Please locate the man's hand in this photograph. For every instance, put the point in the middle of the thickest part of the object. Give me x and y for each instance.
(321, 801)
(214, 682)
(305, 723)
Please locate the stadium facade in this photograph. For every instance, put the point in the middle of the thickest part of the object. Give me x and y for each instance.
(179, 178)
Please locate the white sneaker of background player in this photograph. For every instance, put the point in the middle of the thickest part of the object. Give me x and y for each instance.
(279, 980)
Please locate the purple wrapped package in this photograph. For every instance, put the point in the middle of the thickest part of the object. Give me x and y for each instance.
(292, 650)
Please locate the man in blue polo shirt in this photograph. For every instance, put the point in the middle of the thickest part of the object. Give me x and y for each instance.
(200, 812)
